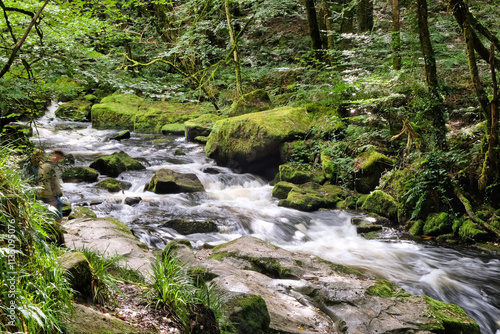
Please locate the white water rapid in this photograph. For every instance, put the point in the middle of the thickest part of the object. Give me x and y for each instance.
(241, 204)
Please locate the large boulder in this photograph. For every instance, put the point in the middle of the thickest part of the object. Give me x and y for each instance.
(81, 212)
(166, 181)
(289, 173)
(307, 294)
(79, 174)
(115, 164)
(130, 112)
(383, 204)
(200, 126)
(114, 185)
(255, 101)
(252, 142)
(75, 110)
(312, 196)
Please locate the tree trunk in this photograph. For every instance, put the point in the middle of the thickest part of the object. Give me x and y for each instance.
(330, 37)
(437, 109)
(20, 42)
(365, 15)
(235, 53)
(396, 36)
(312, 21)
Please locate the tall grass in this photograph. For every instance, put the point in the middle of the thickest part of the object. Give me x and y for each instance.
(176, 292)
(34, 292)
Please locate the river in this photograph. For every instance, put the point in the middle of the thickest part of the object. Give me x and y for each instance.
(242, 204)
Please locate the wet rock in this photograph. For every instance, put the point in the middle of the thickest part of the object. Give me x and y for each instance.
(166, 181)
(122, 135)
(81, 212)
(132, 200)
(306, 294)
(114, 185)
(79, 174)
(75, 110)
(211, 170)
(290, 174)
(186, 226)
(179, 152)
(202, 319)
(370, 167)
(365, 225)
(115, 164)
(282, 189)
(79, 273)
(248, 313)
(312, 196)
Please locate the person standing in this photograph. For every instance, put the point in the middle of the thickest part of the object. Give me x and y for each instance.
(50, 191)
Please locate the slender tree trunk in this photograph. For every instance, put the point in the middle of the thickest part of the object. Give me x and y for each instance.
(365, 15)
(330, 38)
(312, 21)
(235, 53)
(20, 42)
(396, 36)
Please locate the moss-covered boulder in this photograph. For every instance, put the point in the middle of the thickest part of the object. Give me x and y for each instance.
(81, 212)
(470, 231)
(365, 224)
(166, 181)
(370, 166)
(438, 223)
(125, 111)
(248, 314)
(76, 110)
(79, 273)
(122, 135)
(187, 226)
(255, 101)
(289, 173)
(416, 227)
(79, 174)
(382, 204)
(281, 189)
(200, 126)
(115, 164)
(252, 142)
(113, 185)
(312, 196)
(448, 318)
(174, 129)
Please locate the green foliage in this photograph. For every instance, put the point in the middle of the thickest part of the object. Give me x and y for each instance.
(34, 294)
(338, 164)
(175, 291)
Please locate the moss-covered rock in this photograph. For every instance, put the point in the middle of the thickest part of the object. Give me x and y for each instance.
(248, 314)
(255, 101)
(76, 110)
(113, 185)
(79, 174)
(81, 212)
(116, 163)
(370, 167)
(289, 173)
(417, 227)
(281, 189)
(365, 225)
(122, 135)
(174, 128)
(166, 181)
(449, 318)
(382, 204)
(438, 223)
(385, 288)
(187, 226)
(470, 231)
(79, 273)
(252, 142)
(312, 196)
(125, 111)
(200, 126)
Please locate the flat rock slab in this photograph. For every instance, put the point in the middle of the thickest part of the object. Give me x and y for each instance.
(109, 236)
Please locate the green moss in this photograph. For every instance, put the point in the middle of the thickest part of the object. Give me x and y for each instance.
(244, 139)
(371, 166)
(79, 174)
(291, 174)
(125, 111)
(311, 196)
(339, 268)
(281, 189)
(382, 204)
(249, 315)
(438, 223)
(113, 185)
(174, 128)
(255, 101)
(116, 163)
(471, 231)
(201, 274)
(417, 227)
(75, 110)
(81, 212)
(201, 126)
(119, 225)
(385, 288)
(450, 318)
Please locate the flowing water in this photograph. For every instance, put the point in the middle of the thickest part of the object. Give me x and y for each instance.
(241, 204)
